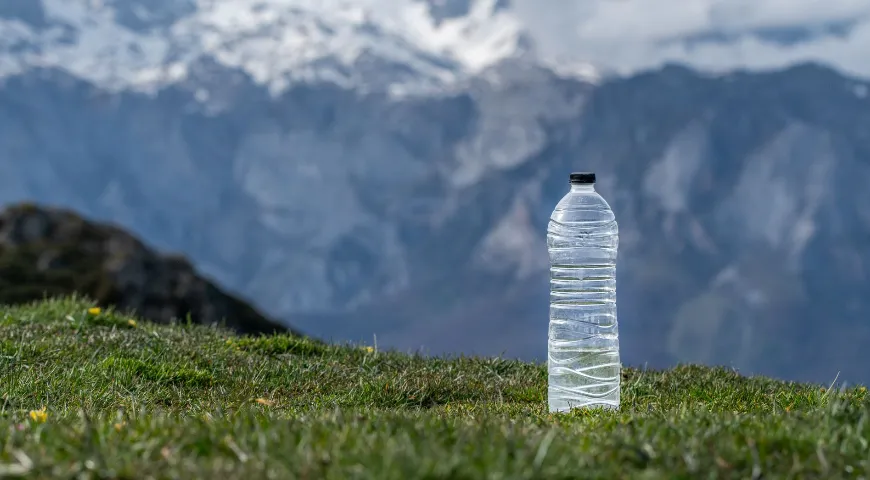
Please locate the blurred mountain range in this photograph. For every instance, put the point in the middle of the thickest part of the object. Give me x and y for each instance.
(358, 172)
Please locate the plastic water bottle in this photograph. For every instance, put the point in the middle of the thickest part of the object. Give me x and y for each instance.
(583, 345)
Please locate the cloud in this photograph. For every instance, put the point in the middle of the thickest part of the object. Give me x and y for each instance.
(630, 35)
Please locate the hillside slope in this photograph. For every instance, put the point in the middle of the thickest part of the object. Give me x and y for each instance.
(45, 252)
(196, 402)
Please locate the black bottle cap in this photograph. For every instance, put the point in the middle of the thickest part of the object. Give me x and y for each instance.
(582, 178)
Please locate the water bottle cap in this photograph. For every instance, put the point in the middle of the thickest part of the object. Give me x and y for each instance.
(582, 178)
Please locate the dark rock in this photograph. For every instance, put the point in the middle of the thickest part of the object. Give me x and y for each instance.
(51, 252)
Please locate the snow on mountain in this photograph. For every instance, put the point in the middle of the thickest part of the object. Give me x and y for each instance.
(404, 46)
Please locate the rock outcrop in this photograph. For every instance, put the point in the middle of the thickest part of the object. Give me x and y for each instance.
(52, 252)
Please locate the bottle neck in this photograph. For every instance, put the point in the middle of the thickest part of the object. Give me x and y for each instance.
(582, 187)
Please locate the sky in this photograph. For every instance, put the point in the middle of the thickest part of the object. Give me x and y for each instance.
(717, 35)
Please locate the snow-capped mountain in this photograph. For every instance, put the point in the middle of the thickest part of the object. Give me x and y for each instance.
(402, 46)
(388, 167)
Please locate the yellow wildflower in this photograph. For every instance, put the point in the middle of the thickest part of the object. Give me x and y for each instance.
(263, 401)
(94, 310)
(131, 322)
(119, 426)
(39, 416)
(370, 349)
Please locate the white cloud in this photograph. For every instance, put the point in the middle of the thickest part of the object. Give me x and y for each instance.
(628, 35)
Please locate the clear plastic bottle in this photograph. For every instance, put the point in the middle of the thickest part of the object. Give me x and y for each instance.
(583, 345)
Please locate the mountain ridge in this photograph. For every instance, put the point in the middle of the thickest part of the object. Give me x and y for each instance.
(400, 46)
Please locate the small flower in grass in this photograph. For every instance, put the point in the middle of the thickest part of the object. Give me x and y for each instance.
(39, 416)
(95, 310)
(863, 389)
(263, 401)
(131, 323)
(119, 426)
(369, 349)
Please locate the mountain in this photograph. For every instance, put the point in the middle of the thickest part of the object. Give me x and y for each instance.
(399, 46)
(391, 173)
(54, 252)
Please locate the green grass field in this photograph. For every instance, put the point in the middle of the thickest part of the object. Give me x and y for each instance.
(125, 399)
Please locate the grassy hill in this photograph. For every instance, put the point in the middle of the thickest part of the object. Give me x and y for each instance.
(128, 399)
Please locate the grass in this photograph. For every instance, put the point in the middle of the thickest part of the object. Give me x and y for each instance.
(127, 399)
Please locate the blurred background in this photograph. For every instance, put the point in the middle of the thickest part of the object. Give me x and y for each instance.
(383, 170)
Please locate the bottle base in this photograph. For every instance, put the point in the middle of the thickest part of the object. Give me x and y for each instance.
(563, 405)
